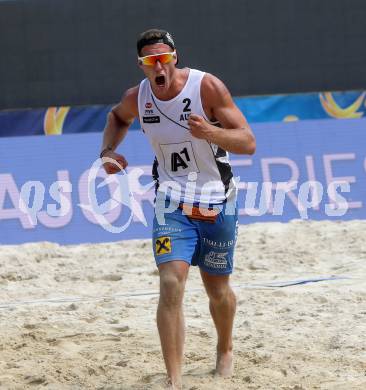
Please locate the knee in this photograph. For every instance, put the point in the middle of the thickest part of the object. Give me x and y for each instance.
(221, 294)
(171, 289)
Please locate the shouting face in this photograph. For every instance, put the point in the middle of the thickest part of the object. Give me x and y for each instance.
(158, 63)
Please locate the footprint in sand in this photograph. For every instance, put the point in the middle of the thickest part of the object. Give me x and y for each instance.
(66, 347)
(35, 380)
(157, 379)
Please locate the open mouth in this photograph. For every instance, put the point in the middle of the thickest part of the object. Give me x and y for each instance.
(160, 80)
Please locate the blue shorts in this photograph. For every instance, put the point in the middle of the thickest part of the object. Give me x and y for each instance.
(208, 245)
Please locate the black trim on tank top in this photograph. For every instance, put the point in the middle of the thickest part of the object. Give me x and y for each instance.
(155, 174)
(224, 169)
(166, 116)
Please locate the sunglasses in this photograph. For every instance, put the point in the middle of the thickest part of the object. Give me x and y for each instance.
(163, 58)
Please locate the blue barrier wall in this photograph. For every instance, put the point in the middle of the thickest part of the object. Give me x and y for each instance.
(325, 151)
(277, 108)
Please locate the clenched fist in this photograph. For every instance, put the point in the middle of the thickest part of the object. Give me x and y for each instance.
(111, 166)
(200, 128)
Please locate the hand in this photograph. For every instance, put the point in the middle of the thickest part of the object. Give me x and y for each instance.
(200, 128)
(111, 167)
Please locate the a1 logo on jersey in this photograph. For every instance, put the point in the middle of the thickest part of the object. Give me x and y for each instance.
(179, 159)
(186, 110)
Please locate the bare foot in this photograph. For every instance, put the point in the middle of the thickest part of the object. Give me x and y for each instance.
(224, 364)
(173, 385)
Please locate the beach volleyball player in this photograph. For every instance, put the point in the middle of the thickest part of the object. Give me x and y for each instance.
(192, 123)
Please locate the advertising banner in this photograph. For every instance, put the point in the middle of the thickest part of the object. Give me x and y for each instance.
(275, 108)
(51, 186)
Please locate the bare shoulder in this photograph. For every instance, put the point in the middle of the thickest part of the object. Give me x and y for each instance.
(214, 95)
(212, 88)
(127, 108)
(131, 94)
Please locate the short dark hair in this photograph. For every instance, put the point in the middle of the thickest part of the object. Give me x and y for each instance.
(154, 35)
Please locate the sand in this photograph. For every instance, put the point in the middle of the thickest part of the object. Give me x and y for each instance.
(83, 317)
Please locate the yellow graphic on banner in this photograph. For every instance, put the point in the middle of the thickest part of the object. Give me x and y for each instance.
(290, 118)
(54, 120)
(333, 109)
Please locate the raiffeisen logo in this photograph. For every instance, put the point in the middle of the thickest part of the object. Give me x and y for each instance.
(335, 111)
(122, 195)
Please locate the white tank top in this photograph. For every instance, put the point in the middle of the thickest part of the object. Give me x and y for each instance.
(185, 167)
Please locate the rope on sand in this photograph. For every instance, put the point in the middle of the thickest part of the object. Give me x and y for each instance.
(300, 281)
(259, 285)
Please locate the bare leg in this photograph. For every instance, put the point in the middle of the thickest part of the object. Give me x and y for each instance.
(222, 309)
(170, 318)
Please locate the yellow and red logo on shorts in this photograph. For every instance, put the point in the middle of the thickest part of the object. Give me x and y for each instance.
(163, 245)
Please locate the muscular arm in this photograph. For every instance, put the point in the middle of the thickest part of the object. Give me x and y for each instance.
(119, 119)
(235, 136)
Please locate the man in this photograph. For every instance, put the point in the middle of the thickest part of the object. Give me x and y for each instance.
(191, 122)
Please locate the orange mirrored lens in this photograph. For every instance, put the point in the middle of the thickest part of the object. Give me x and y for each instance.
(164, 58)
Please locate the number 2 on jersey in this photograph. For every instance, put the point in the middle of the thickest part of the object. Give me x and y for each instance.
(187, 103)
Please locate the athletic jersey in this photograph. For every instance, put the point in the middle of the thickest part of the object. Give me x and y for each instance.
(186, 168)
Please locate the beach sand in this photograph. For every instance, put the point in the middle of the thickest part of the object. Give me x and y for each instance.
(83, 317)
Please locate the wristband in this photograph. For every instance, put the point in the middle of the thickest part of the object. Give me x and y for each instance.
(103, 152)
